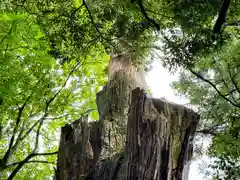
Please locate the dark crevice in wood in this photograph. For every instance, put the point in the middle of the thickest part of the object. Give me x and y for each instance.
(165, 161)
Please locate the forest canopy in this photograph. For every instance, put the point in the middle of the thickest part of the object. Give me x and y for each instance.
(54, 56)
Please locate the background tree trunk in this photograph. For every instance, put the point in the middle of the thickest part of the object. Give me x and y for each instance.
(136, 137)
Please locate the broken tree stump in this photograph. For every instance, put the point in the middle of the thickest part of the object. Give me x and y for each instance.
(158, 143)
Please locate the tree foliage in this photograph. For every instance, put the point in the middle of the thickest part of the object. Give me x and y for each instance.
(39, 95)
(213, 87)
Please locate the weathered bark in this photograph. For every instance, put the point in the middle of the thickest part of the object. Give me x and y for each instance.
(136, 137)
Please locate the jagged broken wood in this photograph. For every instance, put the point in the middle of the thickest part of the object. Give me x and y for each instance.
(158, 143)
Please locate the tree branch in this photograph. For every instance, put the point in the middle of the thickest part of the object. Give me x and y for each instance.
(95, 25)
(64, 84)
(232, 23)
(74, 11)
(37, 137)
(214, 130)
(9, 32)
(214, 86)
(9, 151)
(232, 91)
(207, 131)
(233, 81)
(14, 147)
(143, 11)
(20, 164)
(30, 129)
(229, 94)
(221, 17)
(40, 121)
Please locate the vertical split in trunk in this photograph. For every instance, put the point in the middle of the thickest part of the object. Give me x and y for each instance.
(114, 101)
(136, 137)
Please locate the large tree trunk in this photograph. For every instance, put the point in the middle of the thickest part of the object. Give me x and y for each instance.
(136, 137)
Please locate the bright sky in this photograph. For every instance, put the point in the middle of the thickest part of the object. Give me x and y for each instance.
(159, 80)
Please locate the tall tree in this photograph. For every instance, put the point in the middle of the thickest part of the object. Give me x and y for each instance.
(88, 31)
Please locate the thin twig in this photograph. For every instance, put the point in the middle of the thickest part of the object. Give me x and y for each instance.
(57, 117)
(230, 94)
(72, 71)
(34, 161)
(214, 86)
(233, 81)
(9, 32)
(74, 11)
(207, 131)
